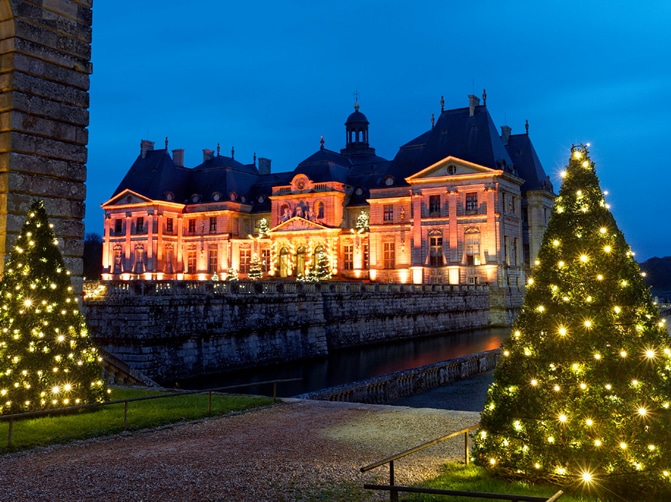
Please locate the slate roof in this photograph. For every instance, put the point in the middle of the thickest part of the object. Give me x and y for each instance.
(528, 164)
(455, 133)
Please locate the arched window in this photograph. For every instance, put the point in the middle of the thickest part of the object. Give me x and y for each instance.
(284, 262)
(300, 261)
(319, 209)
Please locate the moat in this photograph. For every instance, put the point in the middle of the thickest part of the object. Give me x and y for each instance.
(350, 365)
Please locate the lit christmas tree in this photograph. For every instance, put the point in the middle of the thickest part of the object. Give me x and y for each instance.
(322, 269)
(582, 392)
(47, 359)
(255, 268)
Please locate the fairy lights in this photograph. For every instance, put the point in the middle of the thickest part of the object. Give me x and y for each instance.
(46, 359)
(588, 364)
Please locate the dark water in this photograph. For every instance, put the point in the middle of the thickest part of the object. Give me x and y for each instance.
(350, 365)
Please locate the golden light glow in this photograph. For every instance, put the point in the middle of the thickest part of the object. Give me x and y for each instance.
(588, 324)
(589, 422)
(534, 382)
(607, 249)
(563, 418)
(586, 477)
(623, 446)
(555, 242)
(556, 388)
(650, 354)
(597, 442)
(562, 331)
(603, 230)
(584, 258)
(642, 411)
(623, 353)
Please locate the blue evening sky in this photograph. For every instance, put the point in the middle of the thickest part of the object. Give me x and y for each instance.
(271, 78)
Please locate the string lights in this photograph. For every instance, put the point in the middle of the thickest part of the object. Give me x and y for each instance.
(47, 359)
(589, 359)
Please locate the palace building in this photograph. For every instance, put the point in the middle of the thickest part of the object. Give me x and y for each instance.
(459, 204)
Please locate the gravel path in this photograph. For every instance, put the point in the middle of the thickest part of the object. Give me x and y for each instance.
(298, 450)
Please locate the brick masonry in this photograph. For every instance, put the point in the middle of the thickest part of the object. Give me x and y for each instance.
(45, 53)
(173, 330)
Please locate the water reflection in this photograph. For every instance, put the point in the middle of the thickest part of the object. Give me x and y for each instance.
(350, 365)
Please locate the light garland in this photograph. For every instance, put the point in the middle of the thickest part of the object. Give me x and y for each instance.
(587, 367)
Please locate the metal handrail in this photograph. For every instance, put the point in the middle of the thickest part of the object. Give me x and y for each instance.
(174, 393)
(395, 489)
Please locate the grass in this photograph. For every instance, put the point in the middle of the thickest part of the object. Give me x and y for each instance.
(108, 420)
(476, 479)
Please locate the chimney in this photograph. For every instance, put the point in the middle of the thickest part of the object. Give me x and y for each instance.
(473, 101)
(146, 146)
(505, 134)
(207, 154)
(178, 157)
(264, 166)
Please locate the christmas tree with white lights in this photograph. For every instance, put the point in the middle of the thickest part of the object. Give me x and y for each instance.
(47, 359)
(255, 268)
(582, 393)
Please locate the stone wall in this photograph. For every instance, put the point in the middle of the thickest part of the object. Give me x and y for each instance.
(388, 388)
(45, 52)
(174, 330)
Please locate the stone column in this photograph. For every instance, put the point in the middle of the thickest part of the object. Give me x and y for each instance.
(45, 53)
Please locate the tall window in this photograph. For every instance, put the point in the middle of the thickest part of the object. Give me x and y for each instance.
(348, 252)
(436, 251)
(168, 226)
(191, 262)
(434, 205)
(212, 260)
(245, 259)
(319, 209)
(192, 226)
(473, 249)
(118, 226)
(213, 224)
(506, 250)
(265, 260)
(139, 225)
(389, 255)
(471, 203)
(366, 261)
(388, 212)
(139, 259)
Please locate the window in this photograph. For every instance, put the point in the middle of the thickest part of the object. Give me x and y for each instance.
(168, 225)
(139, 225)
(192, 226)
(473, 249)
(118, 226)
(319, 210)
(212, 260)
(191, 262)
(506, 250)
(434, 206)
(436, 251)
(471, 203)
(213, 224)
(245, 259)
(388, 211)
(389, 255)
(348, 251)
(265, 260)
(366, 262)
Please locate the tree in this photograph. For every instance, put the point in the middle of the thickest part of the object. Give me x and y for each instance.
(322, 267)
(47, 359)
(93, 256)
(582, 392)
(255, 268)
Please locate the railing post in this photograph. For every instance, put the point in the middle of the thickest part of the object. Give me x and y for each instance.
(466, 447)
(393, 494)
(10, 433)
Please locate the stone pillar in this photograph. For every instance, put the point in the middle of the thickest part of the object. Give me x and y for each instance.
(45, 53)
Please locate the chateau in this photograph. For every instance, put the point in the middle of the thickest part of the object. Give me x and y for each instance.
(459, 204)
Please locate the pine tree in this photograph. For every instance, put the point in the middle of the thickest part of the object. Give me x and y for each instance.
(322, 268)
(582, 392)
(255, 268)
(47, 359)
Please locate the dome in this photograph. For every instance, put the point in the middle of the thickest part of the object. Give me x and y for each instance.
(356, 117)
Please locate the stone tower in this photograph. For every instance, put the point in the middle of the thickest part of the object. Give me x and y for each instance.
(45, 53)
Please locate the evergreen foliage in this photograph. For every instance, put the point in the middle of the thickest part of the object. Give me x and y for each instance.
(255, 268)
(582, 392)
(47, 359)
(322, 268)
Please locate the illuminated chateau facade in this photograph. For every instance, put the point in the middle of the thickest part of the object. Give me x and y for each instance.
(459, 204)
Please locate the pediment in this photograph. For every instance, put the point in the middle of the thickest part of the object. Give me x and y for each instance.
(125, 198)
(449, 167)
(297, 224)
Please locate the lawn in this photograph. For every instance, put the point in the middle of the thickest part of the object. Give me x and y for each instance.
(108, 420)
(456, 476)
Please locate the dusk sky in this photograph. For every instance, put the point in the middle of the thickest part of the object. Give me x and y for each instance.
(271, 78)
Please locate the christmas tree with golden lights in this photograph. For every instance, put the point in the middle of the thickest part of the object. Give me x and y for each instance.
(582, 393)
(47, 359)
